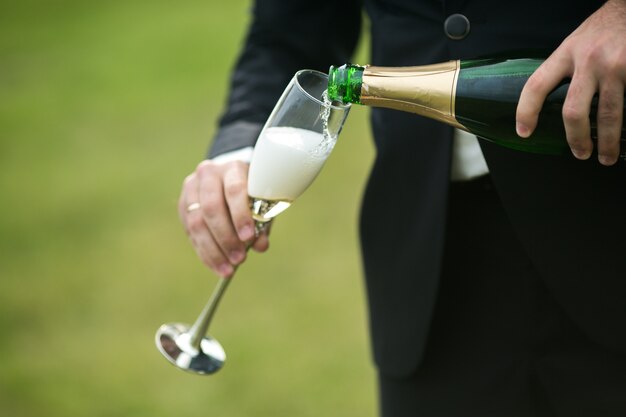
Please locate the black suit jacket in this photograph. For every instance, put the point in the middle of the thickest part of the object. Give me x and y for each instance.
(570, 215)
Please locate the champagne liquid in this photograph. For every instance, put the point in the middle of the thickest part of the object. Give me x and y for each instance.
(286, 161)
(328, 143)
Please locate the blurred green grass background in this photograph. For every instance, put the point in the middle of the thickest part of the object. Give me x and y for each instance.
(105, 107)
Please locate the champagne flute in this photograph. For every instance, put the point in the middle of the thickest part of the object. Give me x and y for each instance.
(291, 150)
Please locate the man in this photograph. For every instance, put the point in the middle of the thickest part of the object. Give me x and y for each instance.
(489, 295)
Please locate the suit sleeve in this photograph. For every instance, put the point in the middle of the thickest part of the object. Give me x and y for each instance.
(283, 37)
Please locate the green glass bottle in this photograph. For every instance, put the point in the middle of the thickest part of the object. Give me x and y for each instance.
(479, 96)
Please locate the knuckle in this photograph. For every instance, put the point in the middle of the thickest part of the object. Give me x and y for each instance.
(590, 55)
(242, 166)
(235, 188)
(204, 163)
(206, 168)
(195, 224)
(573, 114)
(188, 179)
(609, 109)
(614, 64)
(609, 116)
(232, 244)
(210, 208)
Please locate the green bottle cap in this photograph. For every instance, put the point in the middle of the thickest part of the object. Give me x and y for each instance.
(344, 83)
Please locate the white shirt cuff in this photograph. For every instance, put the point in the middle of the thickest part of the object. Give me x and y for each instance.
(243, 154)
(468, 161)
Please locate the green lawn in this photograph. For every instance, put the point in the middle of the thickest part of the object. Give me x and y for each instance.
(105, 107)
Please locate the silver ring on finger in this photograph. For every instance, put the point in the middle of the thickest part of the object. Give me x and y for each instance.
(193, 206)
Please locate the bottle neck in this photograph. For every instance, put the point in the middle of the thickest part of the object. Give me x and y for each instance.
(344, 83)
(427, 90)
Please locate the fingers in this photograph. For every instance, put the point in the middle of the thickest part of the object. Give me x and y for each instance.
(609, 120)
(576, 114)
(536, 89)
(585, 83)
(201, 237)
(221, 225)
(217, 220)
(594, 57)
(188, 184)
(236, 194)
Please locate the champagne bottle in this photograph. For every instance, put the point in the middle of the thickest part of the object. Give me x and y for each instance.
(479, 96)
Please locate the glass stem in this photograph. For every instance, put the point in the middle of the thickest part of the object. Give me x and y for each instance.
(201, 325)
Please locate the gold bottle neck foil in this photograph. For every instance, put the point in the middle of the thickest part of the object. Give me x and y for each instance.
(427, 90)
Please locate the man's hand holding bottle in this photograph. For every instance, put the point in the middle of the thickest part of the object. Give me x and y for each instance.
(594, 57)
